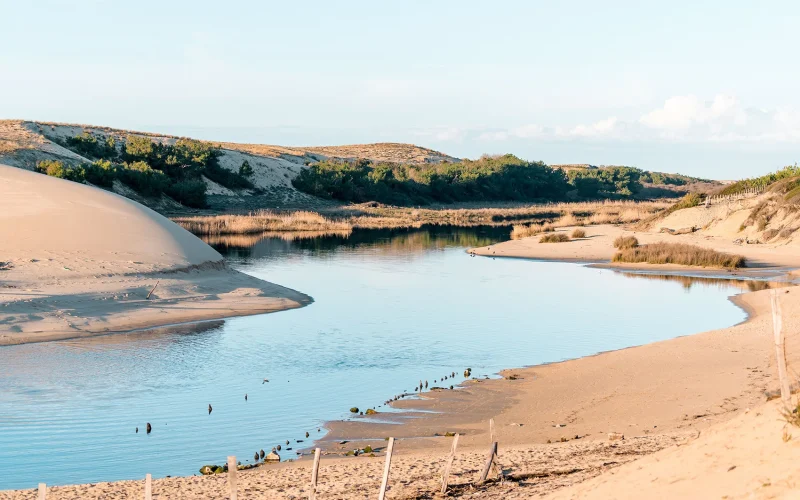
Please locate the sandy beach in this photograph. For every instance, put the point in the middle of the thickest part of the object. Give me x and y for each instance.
(78, 261)
(699, 396)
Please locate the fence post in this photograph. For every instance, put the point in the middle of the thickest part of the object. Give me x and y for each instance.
(780, 349)
(385, 481)
(488, 465)
(448, 464)
(491, 430)
(314, 475)
(42, 491)
(232, 477)
(148, 487)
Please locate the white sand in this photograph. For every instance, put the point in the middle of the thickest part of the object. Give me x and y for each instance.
(80, 261)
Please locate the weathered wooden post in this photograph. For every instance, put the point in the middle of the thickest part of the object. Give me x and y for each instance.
(491, 430)
(148, 487)
(42, 491)
(232, 477)
(448, 464)
(385, 481)
(488, 465)
(314, 475)
(780, 349)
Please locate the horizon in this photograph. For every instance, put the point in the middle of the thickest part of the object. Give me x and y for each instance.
(701, 90)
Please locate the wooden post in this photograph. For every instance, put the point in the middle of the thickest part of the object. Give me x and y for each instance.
(385, 481)
(42, 491)
(780, 349)
(314, 475)
(491, 430)
(153, 290)
(488, 465)
(148, 487)
(448, 464)
(232, 477)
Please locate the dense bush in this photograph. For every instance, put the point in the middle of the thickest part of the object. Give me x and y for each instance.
(151, 168)
(487, 179)
(55, 168)
(623, 242)
(606, 182)
(86, 144)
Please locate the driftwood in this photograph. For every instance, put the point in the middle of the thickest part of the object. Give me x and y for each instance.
(153, 290)
(488, 465)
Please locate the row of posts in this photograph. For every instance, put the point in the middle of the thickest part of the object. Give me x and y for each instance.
(747, 193)
(232, 468)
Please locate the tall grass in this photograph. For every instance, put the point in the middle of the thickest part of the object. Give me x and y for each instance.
(625, 242)
(554, 238)
(261, 222)
(681, 254)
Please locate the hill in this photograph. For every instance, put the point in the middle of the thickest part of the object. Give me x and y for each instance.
(174, 174)
(81, 261)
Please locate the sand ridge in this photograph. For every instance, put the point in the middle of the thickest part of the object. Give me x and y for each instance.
(77, 261)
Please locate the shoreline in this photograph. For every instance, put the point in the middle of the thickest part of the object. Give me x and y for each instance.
(91, 306)
(504, 400)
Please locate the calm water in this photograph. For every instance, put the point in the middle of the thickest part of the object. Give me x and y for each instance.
(390, 308)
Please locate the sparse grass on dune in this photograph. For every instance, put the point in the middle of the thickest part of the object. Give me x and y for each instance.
(624, 242)
(261, 222)
(554, 238)
(680, 254)
(579, 233)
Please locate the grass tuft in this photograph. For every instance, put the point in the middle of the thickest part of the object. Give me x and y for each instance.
(625, 242)
(681, 254)
(579, 233)
(554, 238)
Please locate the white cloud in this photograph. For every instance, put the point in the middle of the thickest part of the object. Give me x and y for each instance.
(687, 119)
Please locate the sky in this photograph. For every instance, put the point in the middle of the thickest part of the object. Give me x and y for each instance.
(706, 88)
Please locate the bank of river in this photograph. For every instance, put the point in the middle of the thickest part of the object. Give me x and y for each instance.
(391, 308)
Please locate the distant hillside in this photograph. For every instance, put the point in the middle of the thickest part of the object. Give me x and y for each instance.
(25, 144)
(176, 174)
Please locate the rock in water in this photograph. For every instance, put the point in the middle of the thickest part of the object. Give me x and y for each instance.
(262, 453)
(149, 428)
(272, 457)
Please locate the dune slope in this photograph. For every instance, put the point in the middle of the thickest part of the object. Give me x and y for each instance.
(76, 260)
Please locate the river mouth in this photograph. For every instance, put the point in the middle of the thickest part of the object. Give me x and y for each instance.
(392, 307)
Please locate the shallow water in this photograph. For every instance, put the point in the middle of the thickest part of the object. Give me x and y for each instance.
(391, 308)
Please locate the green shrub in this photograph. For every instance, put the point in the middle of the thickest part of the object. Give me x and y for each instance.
(190, 192)
(554, 238)
(56, 168)
(101, 173)
(246, 170)
(623, 242)
(86, 144)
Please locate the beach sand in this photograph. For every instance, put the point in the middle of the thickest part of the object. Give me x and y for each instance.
(695, 404)
(78, 261)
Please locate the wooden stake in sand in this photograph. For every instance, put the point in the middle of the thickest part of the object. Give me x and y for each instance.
(780, 349)
(153, 290)
(491, 430)
(314, 474)
(42, 491)
(448, 464)
(488, 465)
(148, 487)
(385, 481)
(232, 477)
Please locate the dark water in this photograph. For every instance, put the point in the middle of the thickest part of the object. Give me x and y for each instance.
(391, 308)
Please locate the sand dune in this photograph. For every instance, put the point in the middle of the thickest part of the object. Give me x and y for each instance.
(77, 261)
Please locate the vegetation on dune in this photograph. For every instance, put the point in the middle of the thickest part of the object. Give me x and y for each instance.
(579, 233)
(149, 167)
(502, 178)
(762, 182)
(554, 238)
(625, 242)
(681, 254)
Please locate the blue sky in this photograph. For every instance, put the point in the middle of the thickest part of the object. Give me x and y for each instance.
(702, 87)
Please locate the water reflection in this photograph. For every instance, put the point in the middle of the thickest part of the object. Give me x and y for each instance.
(687, 282)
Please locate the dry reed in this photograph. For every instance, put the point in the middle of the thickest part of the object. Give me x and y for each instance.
(554, 238)
(681, 254)
(260, 222)
(624, 242)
